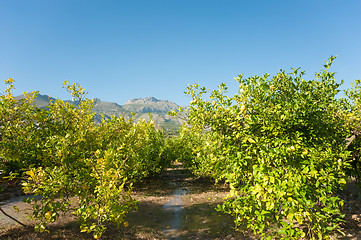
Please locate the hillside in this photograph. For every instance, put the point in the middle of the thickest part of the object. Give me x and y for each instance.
(157, 108)
(41, 100)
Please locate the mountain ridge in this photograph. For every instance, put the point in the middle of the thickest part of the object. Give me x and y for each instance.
(140, 107)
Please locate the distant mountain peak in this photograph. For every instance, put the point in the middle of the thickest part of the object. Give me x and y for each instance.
(144, 100)
(151, 99)
(149, 104)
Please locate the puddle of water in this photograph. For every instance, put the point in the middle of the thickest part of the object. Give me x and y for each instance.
(175, 207)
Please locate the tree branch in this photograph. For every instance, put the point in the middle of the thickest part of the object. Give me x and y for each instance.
(349, 140)
(12, 218)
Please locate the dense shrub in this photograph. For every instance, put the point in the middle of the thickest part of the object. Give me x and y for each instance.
(280, 143)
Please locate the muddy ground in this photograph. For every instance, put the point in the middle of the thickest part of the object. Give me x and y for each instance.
(174, 206)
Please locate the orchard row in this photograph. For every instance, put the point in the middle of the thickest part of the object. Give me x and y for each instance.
(63, 154)
(285, 145)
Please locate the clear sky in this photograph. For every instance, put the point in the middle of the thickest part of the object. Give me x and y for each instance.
(120, 50)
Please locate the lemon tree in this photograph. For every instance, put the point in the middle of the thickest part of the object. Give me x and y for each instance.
(19, 138)
(280, 145)
(74, 165)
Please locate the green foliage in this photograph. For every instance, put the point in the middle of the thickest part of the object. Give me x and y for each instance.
(351, 113)
(74, 164)
(280, 146)
(18, 131)
(181, 148)
(140, 146)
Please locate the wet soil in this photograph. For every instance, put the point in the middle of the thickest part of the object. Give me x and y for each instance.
(179, 206)
(176, 205)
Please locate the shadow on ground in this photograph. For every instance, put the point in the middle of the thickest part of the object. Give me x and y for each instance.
(174, 205)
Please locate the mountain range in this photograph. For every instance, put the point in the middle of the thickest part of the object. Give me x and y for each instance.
(141, 107)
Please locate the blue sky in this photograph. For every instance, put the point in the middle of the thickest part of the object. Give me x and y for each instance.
(120, 50)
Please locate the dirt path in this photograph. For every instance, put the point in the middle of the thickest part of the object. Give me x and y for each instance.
(178, 206)
(175, 205)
